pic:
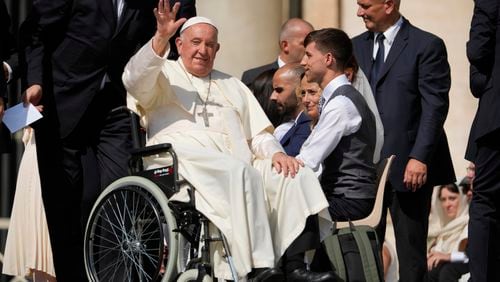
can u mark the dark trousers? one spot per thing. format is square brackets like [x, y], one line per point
[410, 218]
[484, 245]
[5, 140]
[74, 170]
[448, 272]
[343, 209]
[293, 257]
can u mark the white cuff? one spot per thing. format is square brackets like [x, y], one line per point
[459, 257]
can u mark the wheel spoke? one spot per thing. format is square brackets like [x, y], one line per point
[127, 243]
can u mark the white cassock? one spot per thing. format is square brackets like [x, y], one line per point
[229, 162]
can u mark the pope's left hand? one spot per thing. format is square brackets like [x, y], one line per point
[286, 164]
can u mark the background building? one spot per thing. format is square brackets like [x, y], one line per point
[249, 37]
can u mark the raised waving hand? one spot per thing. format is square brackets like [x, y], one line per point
[166, 25]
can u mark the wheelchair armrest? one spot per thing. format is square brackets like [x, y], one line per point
[151, 150]
[136, 155]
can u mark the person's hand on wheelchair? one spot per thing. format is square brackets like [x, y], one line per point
[286, 164]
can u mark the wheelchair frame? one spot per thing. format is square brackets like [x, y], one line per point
[134, 233]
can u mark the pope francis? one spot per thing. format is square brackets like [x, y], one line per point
[244, 183]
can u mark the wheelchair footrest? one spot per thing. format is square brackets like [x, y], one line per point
[188, 220]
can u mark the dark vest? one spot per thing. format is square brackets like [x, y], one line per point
[349, 169]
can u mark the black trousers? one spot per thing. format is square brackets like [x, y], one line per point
[448, 272]
[293, 257]
[343, 209]
[73, 172]
[484, 215]
[410, 218]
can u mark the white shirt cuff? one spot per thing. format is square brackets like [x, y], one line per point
[459, 257]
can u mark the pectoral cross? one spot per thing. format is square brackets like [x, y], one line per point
[205, 114]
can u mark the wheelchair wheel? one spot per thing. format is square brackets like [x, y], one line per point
[129, 234]
[192, 275]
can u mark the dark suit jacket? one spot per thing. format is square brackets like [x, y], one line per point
[483, 51]
[412, 99]
[294, 138]
[6, 45]
[75, 43]
[6, 49]
[250, 75]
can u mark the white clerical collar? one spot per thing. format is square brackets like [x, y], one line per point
[333, 85]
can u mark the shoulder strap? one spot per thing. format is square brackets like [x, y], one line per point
[366, 253]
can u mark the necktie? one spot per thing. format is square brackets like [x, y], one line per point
[379, 61]
[320, 104]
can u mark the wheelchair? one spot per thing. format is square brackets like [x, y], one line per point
[134, 233]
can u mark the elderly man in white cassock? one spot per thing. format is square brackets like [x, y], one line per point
[261, 199]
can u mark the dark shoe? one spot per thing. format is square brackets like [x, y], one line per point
[266, 274]
[302, 275]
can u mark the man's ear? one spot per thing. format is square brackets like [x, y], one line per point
[330, 59]
[389, 6]
[284, 46]
[178, 44]
[218, 47]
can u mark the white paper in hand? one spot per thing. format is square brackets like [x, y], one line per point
[20, 116]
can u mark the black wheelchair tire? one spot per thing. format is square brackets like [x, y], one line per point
[148, 192]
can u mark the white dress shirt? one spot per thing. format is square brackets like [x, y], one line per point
[282, 129]
[390, 35]
[339, 117]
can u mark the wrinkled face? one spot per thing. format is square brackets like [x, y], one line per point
[311, 93]
[197, 48]
[284, 92]
[314, 63]
[450, 202]
[373, 13]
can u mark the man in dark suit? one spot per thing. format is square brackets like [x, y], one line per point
[410, 77]
[6, 75]
[75, 59]
[297, 125]
[291, 41]
[294, 138]
[483, 51]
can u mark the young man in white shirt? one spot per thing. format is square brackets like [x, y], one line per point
[340, 148]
